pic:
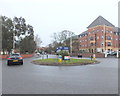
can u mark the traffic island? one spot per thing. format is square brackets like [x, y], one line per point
[71, 62]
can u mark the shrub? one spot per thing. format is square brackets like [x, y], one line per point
[63, 53]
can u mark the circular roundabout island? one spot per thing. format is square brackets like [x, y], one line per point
[59, 62]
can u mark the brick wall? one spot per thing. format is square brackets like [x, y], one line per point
[23, 55]
[99, 37]
[98, 55]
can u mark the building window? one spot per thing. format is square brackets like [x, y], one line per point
[102, 30]
[102, 37]
[107, 31]
[110, 31]
[109, 38]
[109, 44]
[114, 33]
[102, 50]
[91, 44]
[91, 38]
[97, 37]
[118, 33]
[98, 30]
[102, 44]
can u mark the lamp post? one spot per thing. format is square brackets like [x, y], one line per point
[13, 42]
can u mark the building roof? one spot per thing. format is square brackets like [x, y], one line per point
[100, 21]
[83, 33]
[75, 37]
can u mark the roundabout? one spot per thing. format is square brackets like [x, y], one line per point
[58, 62]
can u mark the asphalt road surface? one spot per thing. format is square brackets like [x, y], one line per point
[38, 79]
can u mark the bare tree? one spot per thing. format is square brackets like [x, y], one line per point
[62, 36]
[38, 41]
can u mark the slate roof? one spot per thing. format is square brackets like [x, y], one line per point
[83, 33]
[75, 37]
[100, 21]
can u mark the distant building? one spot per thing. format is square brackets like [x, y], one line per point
[100, 36]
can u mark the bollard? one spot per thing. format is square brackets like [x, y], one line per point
[117, 54]
[47, 56]
[94, 57]
[106, 54]
[60, 60]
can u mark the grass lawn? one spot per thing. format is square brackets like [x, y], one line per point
[67, 62]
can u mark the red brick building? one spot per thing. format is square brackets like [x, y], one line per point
[100, 36]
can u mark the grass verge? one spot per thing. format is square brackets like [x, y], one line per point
[71, 62]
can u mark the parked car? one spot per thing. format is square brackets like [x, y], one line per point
[15, 58]
[113, 53]
[79, 55]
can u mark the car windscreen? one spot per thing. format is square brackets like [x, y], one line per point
[15, 55]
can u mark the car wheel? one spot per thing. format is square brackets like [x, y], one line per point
[21, 63]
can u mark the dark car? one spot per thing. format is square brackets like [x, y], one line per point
[15, 58]
[79, 55]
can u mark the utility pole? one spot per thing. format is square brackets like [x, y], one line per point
[71, 45]
[13, 41]
[70, 36]
[13, 37]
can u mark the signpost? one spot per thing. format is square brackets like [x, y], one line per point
[62, 48]
[63, 56]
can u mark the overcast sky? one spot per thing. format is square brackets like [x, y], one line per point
[49, 16]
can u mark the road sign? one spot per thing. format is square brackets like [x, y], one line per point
[66, 57]
[65, 48]
[62, 48]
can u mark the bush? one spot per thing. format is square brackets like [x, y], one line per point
[63, 53]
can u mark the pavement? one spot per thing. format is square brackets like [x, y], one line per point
[99, 78]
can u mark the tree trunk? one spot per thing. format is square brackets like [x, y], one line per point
[3, 52]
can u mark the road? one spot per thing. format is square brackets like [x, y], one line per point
[99, 78]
